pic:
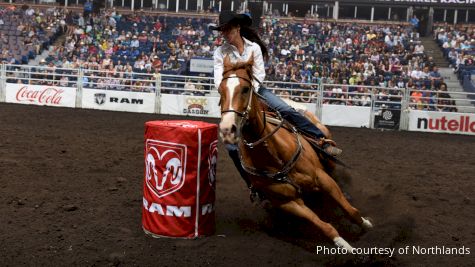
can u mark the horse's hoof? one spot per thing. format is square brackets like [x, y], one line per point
[366, 224]
[341, 243]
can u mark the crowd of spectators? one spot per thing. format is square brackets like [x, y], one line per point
[458, 46]
[26, 32]
[357, 59]
[137, 47]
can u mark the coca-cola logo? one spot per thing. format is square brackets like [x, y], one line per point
[42, 95]
[165, 166]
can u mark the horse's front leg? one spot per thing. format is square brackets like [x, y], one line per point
[297, 207]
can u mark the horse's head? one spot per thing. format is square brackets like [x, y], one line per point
[236, 91]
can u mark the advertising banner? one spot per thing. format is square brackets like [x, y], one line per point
[180, 178]
[118, 100]
[201, 65]
[42, 95]
[348, 116]
[387, 119]
[442, 122]
[201, 106]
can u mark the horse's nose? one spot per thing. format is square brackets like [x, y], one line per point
[229, 130]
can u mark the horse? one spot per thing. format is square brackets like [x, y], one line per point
[279, 162]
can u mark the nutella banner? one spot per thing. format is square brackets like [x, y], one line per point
[43, 95]
[201, 106]
[180, 177]
[118, 100]
[442, 122]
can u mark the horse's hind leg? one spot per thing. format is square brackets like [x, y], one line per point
[298, 208]
[329, 185]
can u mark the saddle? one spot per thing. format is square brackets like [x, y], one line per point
[317, 144]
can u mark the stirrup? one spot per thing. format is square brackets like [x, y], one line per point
[331, 150]
[329, 146]
[322, 141]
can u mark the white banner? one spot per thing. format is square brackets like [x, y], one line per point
[442, 122]
[118, 100]
[348, 116]
[201, 65]
[200, 106]
[43, 95]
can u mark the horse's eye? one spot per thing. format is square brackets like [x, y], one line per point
[246, 89]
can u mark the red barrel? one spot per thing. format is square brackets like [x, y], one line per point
[180, 178]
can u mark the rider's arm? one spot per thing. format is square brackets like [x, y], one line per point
[218, 67]
[258, 68]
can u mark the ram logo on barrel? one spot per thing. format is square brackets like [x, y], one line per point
[212, 161]
[165, 169]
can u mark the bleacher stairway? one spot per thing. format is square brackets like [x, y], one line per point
[432, 49]
[456, 91]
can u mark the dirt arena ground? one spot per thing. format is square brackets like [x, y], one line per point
[71, 195]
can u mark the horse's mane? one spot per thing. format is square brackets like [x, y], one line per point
[239, 65]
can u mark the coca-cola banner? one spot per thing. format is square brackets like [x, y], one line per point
[43, 95]
[118, 100]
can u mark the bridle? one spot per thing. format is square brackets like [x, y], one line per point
[245, 114]
[280, 175]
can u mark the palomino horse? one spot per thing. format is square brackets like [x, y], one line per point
[279, 162]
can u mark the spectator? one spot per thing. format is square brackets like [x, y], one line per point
[415, 22]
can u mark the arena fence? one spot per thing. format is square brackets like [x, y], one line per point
[335, 104]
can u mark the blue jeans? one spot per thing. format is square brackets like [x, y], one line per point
[289, 114]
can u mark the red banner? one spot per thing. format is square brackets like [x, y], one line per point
[180, 177]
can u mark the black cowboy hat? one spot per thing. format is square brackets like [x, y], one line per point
[227, 17]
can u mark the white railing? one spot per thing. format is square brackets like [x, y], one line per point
[370, 103]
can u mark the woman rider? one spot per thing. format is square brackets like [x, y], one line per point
[240, 43]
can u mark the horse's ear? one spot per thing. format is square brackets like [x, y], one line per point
[227, 61]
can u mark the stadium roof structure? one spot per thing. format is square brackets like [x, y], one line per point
[435, 3]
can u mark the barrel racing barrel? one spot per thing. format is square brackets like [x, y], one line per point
[180, 178]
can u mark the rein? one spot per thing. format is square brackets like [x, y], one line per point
[281, 175]
[245, 115]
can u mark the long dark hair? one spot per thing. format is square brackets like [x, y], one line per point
[251, 35]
